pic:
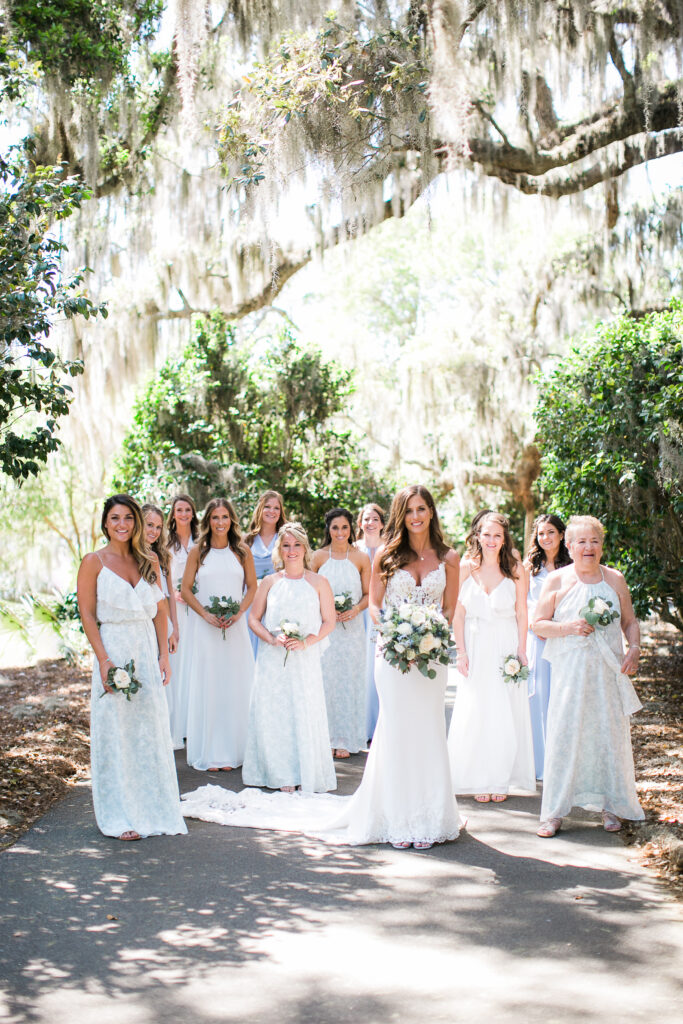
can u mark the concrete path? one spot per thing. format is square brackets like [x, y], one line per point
[237, 925]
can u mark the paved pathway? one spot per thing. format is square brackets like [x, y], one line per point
[237, 925]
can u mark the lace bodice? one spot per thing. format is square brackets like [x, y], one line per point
[402, 587]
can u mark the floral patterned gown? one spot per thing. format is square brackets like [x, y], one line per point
[588, 757]
[288, 742]
[134, 782]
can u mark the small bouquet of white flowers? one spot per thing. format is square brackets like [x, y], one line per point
[513, 670]
[194, 588]
[123, 680]
[223, 608]
[414, 635]
[343, 603]
[599, 612]
[292, 631]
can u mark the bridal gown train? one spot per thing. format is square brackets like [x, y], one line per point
[405, 794]
[134, 782]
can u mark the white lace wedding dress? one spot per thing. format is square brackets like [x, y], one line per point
[405, 794]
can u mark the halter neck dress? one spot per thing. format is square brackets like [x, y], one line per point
[177, 691]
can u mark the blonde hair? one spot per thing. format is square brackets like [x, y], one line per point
[138, 543]
[297, 531]
[577, 523]
[257, 518]
[160, 545]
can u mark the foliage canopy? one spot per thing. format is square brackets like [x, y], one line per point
[227, 419]
[611, 423]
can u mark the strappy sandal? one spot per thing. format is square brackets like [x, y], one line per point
[422, 846]
[483, 798]
[400, 846]
[547, 829]
[499, 798]
[610, 822]
[130, 836]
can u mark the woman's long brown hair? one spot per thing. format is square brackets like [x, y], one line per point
[509, 565]
[397, 550]
[173, 538]
[257, 518]
[235, 542]
[160, 545]
[138, 545]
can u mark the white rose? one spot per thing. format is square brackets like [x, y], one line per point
[410, 655]
[339, 601]
[418, 618]
[289, 627]
[120, 679]
[512, 667]
[404, 628]
[600, 606]
[399, 648]
[428, 643]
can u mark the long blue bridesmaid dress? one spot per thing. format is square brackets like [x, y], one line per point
[371, 698]
[539, 675]
[263, 563]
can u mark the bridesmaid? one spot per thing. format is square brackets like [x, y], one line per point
[134, 782]
[155, 535]
[182, 526]
[269, 515]
[219, 661]
[348, 571]
[370, 523]
[489, 740]
[546, 553]
[288, 743]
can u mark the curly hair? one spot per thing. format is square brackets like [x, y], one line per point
[235, 542]
[536, 556]
[257, 518]
[138, 545]
[397, 550]
[506, 559]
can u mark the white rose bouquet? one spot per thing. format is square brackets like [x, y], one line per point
[513, 670]
[292, 631]
[414, 635]
[123, 680]
[194, 588]
[223, 608]
[599, 612]
[343, 603]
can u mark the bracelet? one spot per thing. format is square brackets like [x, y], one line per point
[634, 647]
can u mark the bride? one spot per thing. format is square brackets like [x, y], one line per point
[405, 797]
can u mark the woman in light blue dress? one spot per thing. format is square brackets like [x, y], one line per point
[370, 523]
[134, 783]
[547, 552]
[348, 571]
[269, 515]
[288, 743]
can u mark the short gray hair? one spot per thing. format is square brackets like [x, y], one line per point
[577, 523]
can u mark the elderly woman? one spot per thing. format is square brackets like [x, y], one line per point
[588, 760]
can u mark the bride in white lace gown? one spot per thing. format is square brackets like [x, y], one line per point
[405, 797]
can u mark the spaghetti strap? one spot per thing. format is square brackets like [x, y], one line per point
[100, 558]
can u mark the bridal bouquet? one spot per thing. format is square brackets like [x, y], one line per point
[123, 680]
[292, 631]
[343, 603]
[513, 670]
[599, 612]
[414, 635]
[223, 608]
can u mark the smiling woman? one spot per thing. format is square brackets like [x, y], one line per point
[134, 784]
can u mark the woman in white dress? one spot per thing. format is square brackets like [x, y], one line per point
[288, 743]
[220, 661]
[369, 525]
[182, 526]
[155, 535]
[489, 740]
[547, 552]
[134, 783]
[405, 797]
[269, 515]
[588, 760]
[348, 572]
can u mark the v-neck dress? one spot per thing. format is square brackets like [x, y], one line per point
[134, 782]
[490, 741]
